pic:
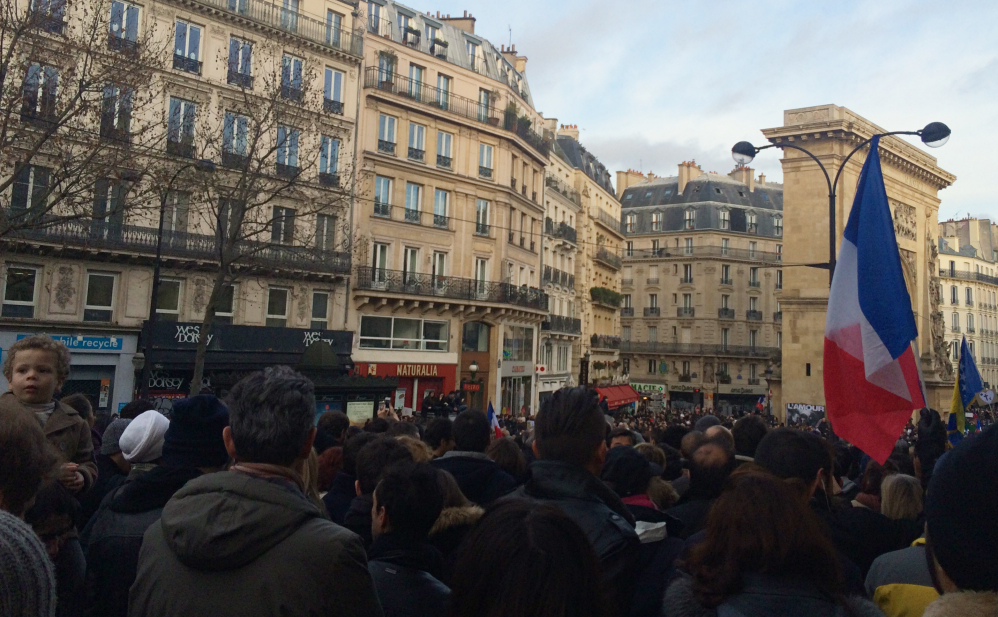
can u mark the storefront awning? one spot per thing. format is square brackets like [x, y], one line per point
[617, 396]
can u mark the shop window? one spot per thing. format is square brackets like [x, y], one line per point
[168, 300]
[475, 336]
[19, 292]
[402, 333]
[320, 310]
[99, 304]
[518, 344]
[277, 307]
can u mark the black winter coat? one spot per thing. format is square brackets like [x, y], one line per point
[358, 517]
[479, 478]
[405, 577]
[109, 477]
[341, 492]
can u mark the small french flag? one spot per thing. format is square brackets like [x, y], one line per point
[871, 374]
[494, 421]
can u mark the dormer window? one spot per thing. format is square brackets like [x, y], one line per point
[751, 223]
[778, 226]
[689, 221]
[725, 219]
[656, 221]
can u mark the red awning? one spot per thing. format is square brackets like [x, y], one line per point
[618, 395]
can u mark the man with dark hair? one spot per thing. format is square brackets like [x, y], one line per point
[439, 435]
[748, 431]
[330, 430]
[931, 444]
[570, 445]
[860, 534]
[249, 541]
[405, 568]
[673, 435]
[479, 477]
[343, 489]
[621, 437]
[135, 408]
[710, 465]
[373, 461]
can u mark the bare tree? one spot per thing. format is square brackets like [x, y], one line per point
[282, 194]
[71, 75]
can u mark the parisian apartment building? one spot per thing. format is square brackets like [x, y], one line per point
[701, 283]
[196, 101]
[968, 272]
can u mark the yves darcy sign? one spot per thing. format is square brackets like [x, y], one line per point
[222, 337]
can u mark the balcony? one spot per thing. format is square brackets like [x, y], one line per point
[725, 313]
[558, 186]
[954, 328]
[288, 172]
[314, 29]
[483, 229]
[564, 325]
[685, 312]
[184, 149]
[331, 180]
[290, 93]
[48, 18]
[235, 78]
[753, 381]
[651, 281]
[415, 154]
[685, 378]
[708, 250]
[686, 280]
[971, 330]
[627, 282]
[560, 231]
[697, 349]
[333, 107]
[969, 303]
[429, 285]
[969, 276]
[440, 221]
[653, 311]
[388, 147]
[754, 284]
[484, 172]
[122, 44]
[382, 209]
[471, 109]
[726, 282]
[183, 63]
[604, 217]
[554, 276]
[724, 378]
[95, 238]
[607, 258]
[627, 311]
[778, 317]
[604, 341]
[231, 160]
[753, 315]
[412, 216]
[444, 161]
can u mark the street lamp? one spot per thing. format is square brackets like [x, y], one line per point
[473, 369]
[934, 135]
[207, 166]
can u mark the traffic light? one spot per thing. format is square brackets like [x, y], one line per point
[696, 390]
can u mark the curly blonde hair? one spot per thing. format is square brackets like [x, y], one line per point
[44, 343]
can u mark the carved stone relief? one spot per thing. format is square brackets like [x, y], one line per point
[200, 300]
[64, 290]
[904, 220]
[940, 348]
[302, 304]
[908, 268]
[808, 116]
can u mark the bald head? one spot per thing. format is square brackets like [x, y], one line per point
[710, 467]
[691, 441]
[718, 432]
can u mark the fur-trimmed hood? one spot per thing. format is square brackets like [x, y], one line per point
[964, 604]
[456, 517]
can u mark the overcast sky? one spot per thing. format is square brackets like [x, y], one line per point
[652, 83]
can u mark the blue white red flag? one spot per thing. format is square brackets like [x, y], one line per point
[494, 422]
[870, 371]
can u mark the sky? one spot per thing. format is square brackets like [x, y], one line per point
[653, 83]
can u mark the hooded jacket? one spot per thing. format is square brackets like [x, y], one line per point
[406, 576]
[479, 477]
[232, 544]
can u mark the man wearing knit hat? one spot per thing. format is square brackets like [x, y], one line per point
[27, 577]
[187, 446]
[961, 530]
[112, 469]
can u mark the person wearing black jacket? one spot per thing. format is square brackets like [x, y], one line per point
[373, 461]
[405, 568]
[479, 477]
[343, 490]
[192, 446]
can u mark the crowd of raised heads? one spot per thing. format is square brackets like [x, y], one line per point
[246, 506]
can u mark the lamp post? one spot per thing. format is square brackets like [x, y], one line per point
[473, 368]
[934, 135]
[205, 165]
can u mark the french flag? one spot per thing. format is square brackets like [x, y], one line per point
[494, 421]
[871, 374]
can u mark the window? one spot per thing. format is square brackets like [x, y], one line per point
[652, 300]
[754, 277]
[443, 90]
[725, 301]
[38, 96]
[956, 322]
[970, 322]
[325, 232]
[277, 307]
[954, 296]
[627, 301]
[403, 333]
[725, 219]
[19, 292]
[410, 264]
[629, 223]
[752, 247]
[518, 343]
[99, 305]
[287, 149]
[382, 196]
[779, 340]
[49, 13]
[440, 208]
[124, 24]
[725, 246]
[482, 218]
[778, 226]
[30, 188]
[417, 142]
[289, 15]
[430, 32]
[234, 134]
[724, 337]
[116, 112]
[485, 160]
[779, 252]
[332, 91]
[176, 211]
[481, 272]
[753, 337]
[374, 17]
[380, 252]
[472, 49]
[687, 273]
[686, 368]
[750, 222]
[625, 333]
[753, 303]
[439, 265]
[291, 70]
[187, 47]
[779, 279]
[320, 310]
[956, 350]
[329, 155]
[475, 336]
[970, 296]
[563, 352]
[725, 274]
[689, 220]
[109, 206]
[416, 73]
[180, 127]
[334, 24]
[444, 141]
[630, 249]
[687, 301]
[168, 300]
[651, 367]
[226, 305]
[413, 193]
[688, 247]
[386, 134]
[654, 247]
[283, 226]
[656, 221]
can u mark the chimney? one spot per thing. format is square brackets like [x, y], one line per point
[466, 23]
[744, 175]
[627, 179]
[687, 171]
[570, 130]
[762, 179]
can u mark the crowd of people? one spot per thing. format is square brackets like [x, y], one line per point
[248, 506]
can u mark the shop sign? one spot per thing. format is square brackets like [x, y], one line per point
[648, 387]
[683, 387]
[85, 343]
[390, 369]
[802, 413]
[738, 389]
[471, 387]
[225, 337]
[510, 369]
[417, 370]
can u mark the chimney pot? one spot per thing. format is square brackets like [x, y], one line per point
[466, 13]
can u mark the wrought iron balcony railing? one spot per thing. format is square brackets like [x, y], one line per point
[415, 154]
[606, 257]
[242, 80]
[183, 63]
[560, 323]
[653, 311]
[604, 341]
[561, 230]
[685, 312]
[297, 23]
[697, 349]
[333, 107]
[411, 283]
[627, 311]
[753, 315]
[557, 185]
[555, 276]
[726, 313]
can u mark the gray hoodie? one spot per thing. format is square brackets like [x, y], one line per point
[232, 544]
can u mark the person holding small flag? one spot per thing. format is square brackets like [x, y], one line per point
[968, 385]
